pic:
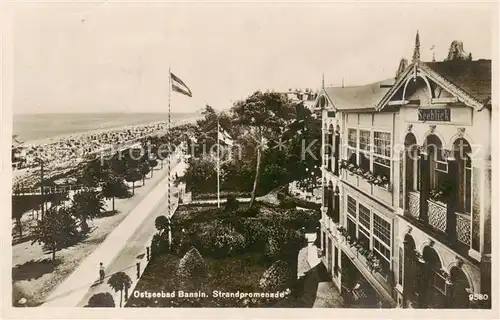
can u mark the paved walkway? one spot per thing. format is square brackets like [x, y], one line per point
[76, 287]
[319, 291]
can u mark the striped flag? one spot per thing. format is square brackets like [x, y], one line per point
[224, 137]
[179, 86]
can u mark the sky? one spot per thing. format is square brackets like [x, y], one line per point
[109, 56]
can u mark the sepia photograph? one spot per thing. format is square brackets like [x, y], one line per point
[269, 155]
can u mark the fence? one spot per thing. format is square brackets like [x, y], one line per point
[47, 189]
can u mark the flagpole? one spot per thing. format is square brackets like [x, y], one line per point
[218, 163]
[169, 207]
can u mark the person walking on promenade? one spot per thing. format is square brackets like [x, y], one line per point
[101, 272]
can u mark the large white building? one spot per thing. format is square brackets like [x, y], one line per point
[406, 216]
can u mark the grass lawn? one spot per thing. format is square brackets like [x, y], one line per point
[241, 273]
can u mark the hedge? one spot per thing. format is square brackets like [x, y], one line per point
[223, 194]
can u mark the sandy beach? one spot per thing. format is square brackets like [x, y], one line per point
[65, 152]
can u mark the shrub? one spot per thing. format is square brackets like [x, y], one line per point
[159, 244]
[227, 244]
[255, 233]
[287, 204]
[231, 203]
[218, 239]
[284, 244]
[278, 277]
[191, 271]
[181, 242]
[101, 300]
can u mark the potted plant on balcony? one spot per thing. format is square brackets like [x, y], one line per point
[442, 192]
[343, 164]
[381, 181]
[373, 263]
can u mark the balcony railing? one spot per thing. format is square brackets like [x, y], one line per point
[438, 217]
[463, 228]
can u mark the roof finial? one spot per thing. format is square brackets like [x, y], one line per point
[416, 50]
[323, 81]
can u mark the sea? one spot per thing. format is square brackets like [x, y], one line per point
[29, 127]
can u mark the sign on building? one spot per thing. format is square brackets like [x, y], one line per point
[434, 115]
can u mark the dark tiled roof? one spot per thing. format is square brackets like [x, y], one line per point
[473, 77]
[358, 97]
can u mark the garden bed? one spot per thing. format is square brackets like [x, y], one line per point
[231, 274]
[227, 249]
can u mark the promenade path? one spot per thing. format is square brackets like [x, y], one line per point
[319, 290]
[133, 252]
[119, 250]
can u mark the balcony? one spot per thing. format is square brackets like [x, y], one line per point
[437, 221]
[382, 193]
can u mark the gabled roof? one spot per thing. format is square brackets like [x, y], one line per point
[470, 80]
[358, 98]
[473, 77]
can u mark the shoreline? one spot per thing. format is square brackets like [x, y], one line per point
[76, 135]
[23, 176]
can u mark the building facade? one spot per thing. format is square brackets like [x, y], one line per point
[406, 215]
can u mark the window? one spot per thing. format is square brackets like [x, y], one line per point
[351, 207]
[439, 168]
[416, 174]
[351, 227]
[364, 239]
[382, 243]
[364, 149]
[364, 217]
[384, 258]
[438, 282]
[364, 140]
[378, 240]
[382, 157]
[382, 141]
[336, 262]
[468, 186]
[352, 138]
[382, 229]
[400, 266]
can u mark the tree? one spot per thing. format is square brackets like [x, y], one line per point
[19, 207]
[120, 281]
[152, 163]
[101, 300]
[87, 204]
[133, 175]
[92, 174]
[145, 168]
[162, 223]
[119, 163]
[263, 117]
[114, 187]
[56, 230]
[200, 175]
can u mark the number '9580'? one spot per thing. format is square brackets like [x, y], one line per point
[478, 296]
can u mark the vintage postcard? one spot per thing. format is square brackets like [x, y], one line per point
[233, 159]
